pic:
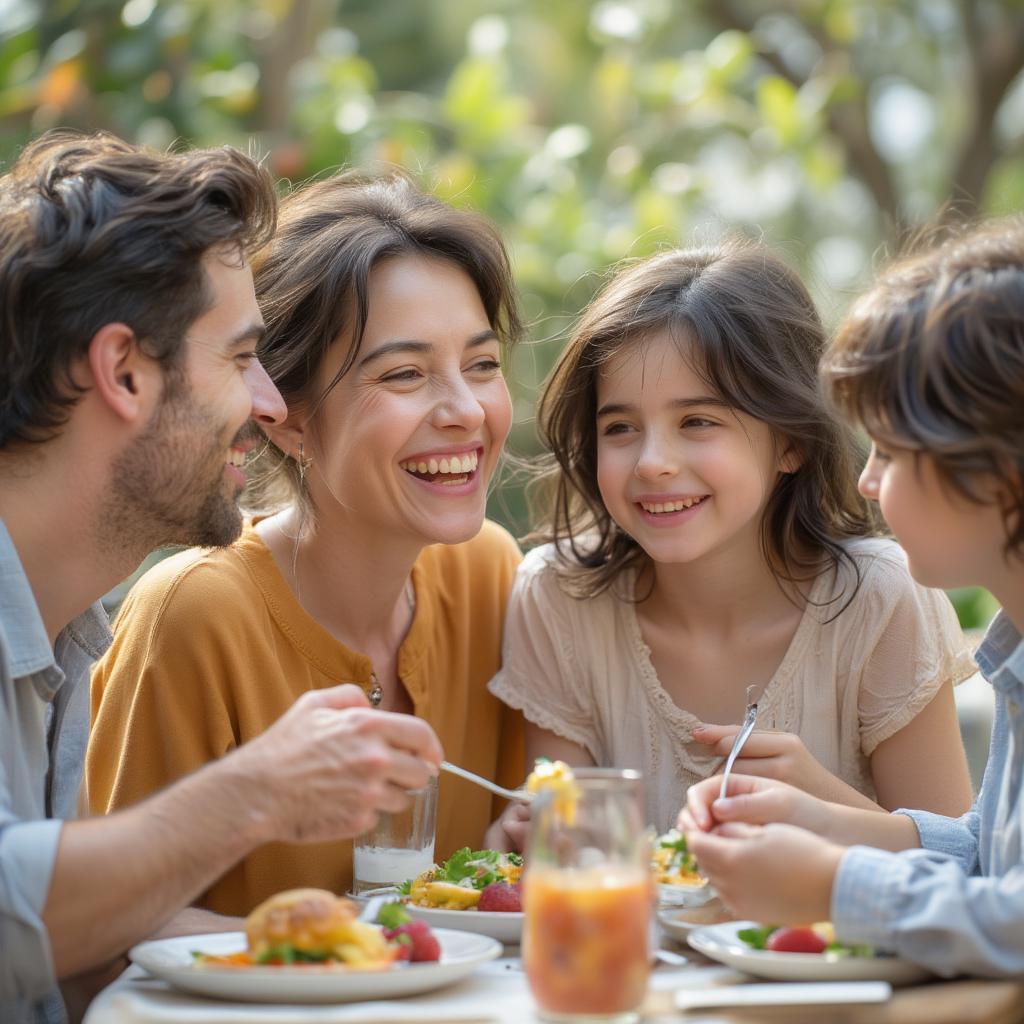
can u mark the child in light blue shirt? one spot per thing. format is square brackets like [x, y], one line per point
[930, 363]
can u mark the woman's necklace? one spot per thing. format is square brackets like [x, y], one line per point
[376, 690]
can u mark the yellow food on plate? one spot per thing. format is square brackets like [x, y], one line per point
[556, 777]
[309, 926]
[459, 883]
[672, 863]
[425, 892]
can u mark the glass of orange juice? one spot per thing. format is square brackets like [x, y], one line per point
[588, 897]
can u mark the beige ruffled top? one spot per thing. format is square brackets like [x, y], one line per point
[581, 669]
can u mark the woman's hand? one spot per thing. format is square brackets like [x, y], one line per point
[752, 801]
[508, 833]
[781, 756]
[777, 873]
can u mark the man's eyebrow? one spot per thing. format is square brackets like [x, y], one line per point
[412, 345]
[625, 408]
[253, 334]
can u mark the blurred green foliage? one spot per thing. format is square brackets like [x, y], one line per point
[591, 131]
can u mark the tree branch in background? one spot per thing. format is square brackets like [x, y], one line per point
[847, 119]
[995, 55]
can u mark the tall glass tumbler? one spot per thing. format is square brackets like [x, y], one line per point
[588, 897]
[401, 846]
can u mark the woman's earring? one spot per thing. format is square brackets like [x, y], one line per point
[304, 463]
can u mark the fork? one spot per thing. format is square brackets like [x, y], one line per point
[749, 720]
[509, 794]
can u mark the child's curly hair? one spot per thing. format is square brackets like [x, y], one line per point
[932, 359]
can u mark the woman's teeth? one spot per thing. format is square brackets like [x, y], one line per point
[236, 457]
[457, 467]
[670, 506]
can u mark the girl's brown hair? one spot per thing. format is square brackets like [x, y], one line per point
[312, 283]
[745, 322]
[932, 359]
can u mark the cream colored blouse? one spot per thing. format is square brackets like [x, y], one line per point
[581, 669]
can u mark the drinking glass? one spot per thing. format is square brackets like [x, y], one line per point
[401, 846]
[588, 897]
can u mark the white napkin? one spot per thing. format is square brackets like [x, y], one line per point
[818, 993]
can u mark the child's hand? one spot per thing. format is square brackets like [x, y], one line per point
[774, 755]
[754, 871]
[508, 833]
[753, 801]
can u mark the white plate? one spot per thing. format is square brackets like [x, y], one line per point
[720, 942]
[678, 922]
[506, 927]
[171, 960]
[684, 895]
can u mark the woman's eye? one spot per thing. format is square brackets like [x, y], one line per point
[880, 455]
[486, 366]
[245, 359]
[697, 421]
[402, 375]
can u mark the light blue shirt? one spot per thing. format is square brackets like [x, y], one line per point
[956, 905]
[44, 725]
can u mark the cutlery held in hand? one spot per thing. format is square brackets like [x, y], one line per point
[520, 795]
[749, 720]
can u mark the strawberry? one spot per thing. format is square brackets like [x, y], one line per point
[502, 897]
[417, 937]
[795, 940]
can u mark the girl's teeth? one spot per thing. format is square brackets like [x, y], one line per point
[670, 506]
[432, 466]
[421, 467]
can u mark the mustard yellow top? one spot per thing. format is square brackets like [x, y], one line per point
[212, 646]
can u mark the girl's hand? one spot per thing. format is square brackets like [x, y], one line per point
[781, 756]
[777, 873]
[753, 801]
[508, 833]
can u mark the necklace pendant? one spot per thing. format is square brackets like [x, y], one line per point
[376, 692]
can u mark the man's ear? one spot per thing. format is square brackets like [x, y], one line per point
[128, 382]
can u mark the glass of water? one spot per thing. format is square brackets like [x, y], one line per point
[400, 847]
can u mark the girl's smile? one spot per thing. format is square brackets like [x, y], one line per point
[668, 510]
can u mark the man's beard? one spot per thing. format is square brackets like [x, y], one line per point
[168, 486]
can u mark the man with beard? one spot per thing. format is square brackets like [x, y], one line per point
[129, 396]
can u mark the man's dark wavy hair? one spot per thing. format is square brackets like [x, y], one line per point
[94, 230]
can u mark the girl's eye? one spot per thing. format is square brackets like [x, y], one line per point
[245, 359]
[697, 421]
[880, 455]
[615, 428]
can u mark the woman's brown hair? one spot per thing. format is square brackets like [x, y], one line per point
[932, 359]
[747, 325]
[312, 283]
